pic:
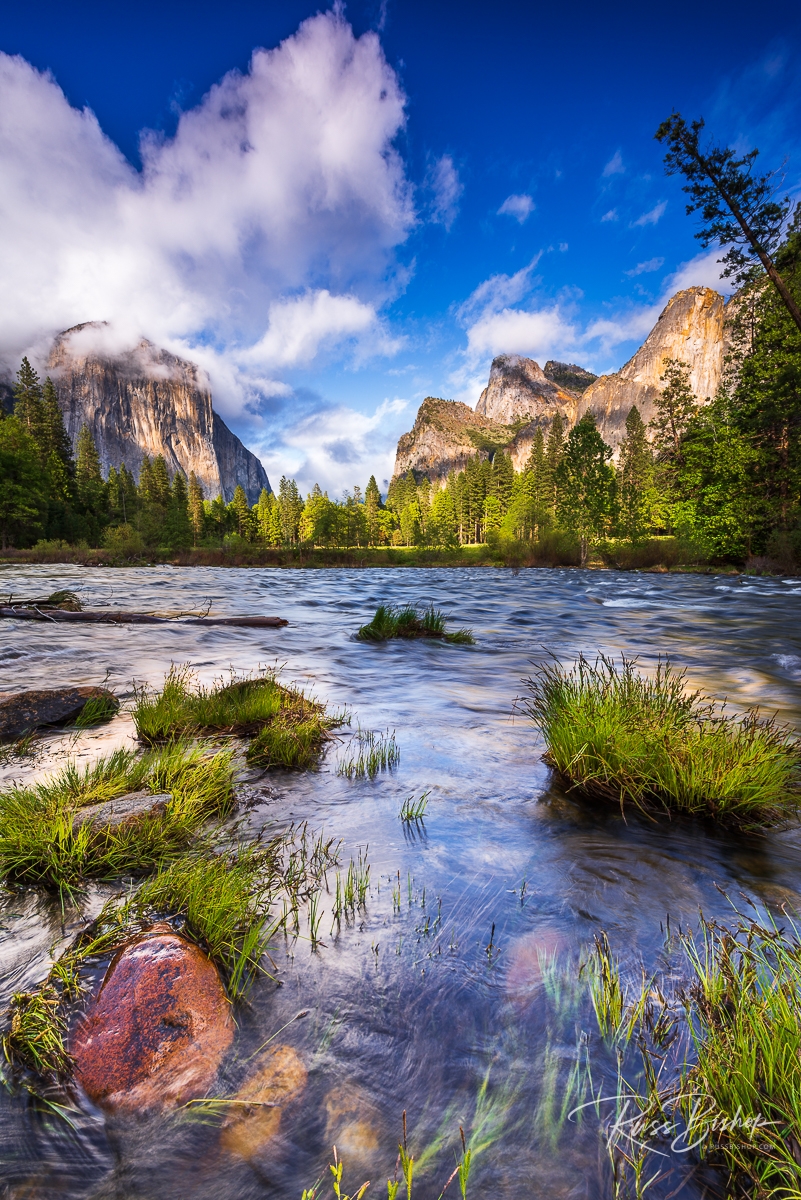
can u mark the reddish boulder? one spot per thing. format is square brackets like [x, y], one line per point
[156, 1032]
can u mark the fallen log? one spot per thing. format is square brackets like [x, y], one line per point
[112, 617]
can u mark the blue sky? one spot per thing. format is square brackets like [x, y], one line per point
[368, 213]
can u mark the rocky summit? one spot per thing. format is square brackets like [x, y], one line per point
[521, 397]
[146, 401]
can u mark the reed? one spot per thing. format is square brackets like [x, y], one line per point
[411, 621]
[414, 809]
[732, 1089]
[368, 753]
[742, 1097]
[616, 734]
[41, 843]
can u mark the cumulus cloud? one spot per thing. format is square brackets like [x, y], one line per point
[518, 206]
[301, 327]
[537, 333]
[614, 166]
[262, 234]
[652, 216]
[643, 268]
[446, 190]
[338, 446]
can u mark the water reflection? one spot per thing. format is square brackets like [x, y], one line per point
[453, 995]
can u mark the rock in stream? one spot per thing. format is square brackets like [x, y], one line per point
[156, 1032]
[23, 712]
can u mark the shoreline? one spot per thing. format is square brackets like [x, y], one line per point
[514, 557]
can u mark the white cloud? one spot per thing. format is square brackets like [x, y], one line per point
[269, 221]
[537, 333]
[518, 206]
[611, 215]
[300, 327]
[338, 447]
[643, 268]
[446, 187]
[652, 216]
[498, 292]
[702, 271]
[614, 166]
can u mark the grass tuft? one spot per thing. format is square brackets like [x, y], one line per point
[620, 735]
[97, 710]
[40, 843]
[730, 1088]
[368, 753]
[184, 707]
[411, 621]
[414, 810]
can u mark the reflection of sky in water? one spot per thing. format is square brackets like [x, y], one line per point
[407, 1009]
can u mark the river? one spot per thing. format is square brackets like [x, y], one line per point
[463, 1008]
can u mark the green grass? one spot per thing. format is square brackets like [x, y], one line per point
[97, 710]
[717, 1053]
[38, 841]
[414, 809]
[288, 728]
[742, 1097]
[368, 753]
[617, 734]
[297, 745]
[184, 707]
[411, 621]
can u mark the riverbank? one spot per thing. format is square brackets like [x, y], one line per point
[658, 555]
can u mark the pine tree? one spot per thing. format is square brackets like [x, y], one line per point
[22, 485]
[635, 479]
[372, 506]
[675, 406]
[28, 402]
[291, 508]
[196, 510]
[443, 518]
[159, 482]
[554, 449]
[145, 478]
[244, 519]
[178, 525]
[55, 439]
[586, 484]
[502, 483]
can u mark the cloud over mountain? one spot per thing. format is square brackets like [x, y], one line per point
[258, 237]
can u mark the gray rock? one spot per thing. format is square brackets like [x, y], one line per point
[121, 810]
[23, 712]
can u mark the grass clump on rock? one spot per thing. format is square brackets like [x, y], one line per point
[287, 727]
[410, 621]
[617, 734]
[184, 707]
[45, 841]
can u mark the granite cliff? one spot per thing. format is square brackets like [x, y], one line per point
[148, 401]
[521, 397]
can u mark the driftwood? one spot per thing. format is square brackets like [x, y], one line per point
[108, 616]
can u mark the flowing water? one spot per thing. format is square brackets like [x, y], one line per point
[458, 1000]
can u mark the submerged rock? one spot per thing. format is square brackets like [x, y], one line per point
[255, 1116]
[122, 810]
[352, 1123]
[156, 1032]
[23, 712]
